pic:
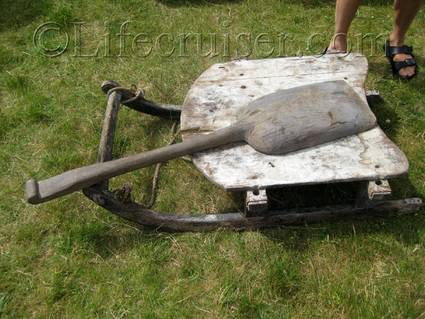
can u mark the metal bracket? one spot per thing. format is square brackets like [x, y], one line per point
[372, 191]
[378, 190]
[256, 203]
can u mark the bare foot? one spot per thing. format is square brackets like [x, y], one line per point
[338, 43]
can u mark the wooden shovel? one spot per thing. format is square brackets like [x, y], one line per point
[276, 124]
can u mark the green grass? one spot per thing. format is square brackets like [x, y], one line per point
[70, 258]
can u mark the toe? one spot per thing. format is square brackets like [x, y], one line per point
[406, 71]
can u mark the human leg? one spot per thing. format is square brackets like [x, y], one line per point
[345, 10]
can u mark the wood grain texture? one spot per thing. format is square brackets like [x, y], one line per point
[108, 128]
[106, 143]
[220, 94]
[238, 221]
[271, 125]
[141, 104]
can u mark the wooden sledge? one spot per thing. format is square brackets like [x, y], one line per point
[214, 101]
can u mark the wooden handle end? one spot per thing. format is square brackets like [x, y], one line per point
[32, 194]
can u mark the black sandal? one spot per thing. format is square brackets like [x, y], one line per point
[396, 66]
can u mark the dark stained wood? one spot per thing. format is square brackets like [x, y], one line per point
[140, 104]
[238, 221]
[108, 131]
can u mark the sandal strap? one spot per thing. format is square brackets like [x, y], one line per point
[390, 51]
[402, 64]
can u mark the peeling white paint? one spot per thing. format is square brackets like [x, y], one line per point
[216, 98]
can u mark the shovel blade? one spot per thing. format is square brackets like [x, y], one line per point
[301, 117]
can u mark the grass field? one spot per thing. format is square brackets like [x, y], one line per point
[70, 258]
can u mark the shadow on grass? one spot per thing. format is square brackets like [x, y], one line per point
[405, 228]
[107, 241]
[418, 83]
[387, 118]
[320, 3]
[197, 3]
[383, 68]
[17, 13]
[305, 3]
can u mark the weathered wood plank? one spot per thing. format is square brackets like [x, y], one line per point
[366, 156]
[291, 67]
[221, 92]
[217, 95]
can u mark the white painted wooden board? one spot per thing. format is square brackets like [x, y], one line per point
[217, 96]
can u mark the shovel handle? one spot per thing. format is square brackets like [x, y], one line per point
[79, 178]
